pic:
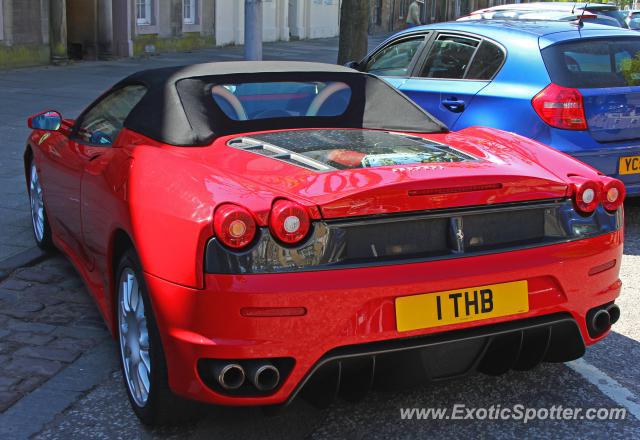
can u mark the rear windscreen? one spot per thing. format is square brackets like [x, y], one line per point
[281, 99]
[593, 63]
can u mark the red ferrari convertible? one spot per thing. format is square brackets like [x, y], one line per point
[256, 231]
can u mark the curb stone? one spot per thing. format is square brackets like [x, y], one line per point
[33, 412]
[23, 259]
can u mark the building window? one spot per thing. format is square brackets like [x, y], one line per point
[190, 12]
[144, 12]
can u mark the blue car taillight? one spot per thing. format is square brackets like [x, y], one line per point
[561, 107]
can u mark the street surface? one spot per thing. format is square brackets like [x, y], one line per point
[58, 367]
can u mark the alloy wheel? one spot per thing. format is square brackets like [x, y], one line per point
[37, 206]
[134, 337]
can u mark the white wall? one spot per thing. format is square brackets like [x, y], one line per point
[269, 20]
[229, 22]
[323, 18]
[312, 19]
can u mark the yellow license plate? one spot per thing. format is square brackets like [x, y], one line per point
[630, 165]
[461, 305]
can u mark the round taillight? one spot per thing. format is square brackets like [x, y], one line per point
[289, 221]
[586, 196]
[613, 193]
[234, 226]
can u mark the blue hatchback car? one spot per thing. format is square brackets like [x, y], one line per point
[573, 87]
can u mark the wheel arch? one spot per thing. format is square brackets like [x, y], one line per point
[27, 157]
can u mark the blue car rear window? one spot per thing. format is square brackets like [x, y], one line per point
[263, 100]
[594, 63]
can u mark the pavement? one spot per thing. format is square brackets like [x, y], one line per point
[59, 377]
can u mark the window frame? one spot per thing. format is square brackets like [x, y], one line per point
[196, 26]
[194, 18]
[148, 9]
[150, 27]
[430, 45]
[75, 136]
[425, 35]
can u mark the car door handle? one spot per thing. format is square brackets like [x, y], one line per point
[453, 105]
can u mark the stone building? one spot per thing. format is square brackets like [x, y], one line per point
[40, 31]
[24, 32]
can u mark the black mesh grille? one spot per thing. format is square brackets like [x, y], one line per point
[488, 231]
[408, 238]
[428, 237]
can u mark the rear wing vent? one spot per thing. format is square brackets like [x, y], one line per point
[275, 152]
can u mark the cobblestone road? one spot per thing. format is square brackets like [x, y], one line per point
[47, 320]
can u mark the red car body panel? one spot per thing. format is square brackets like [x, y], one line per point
[94, 195]
[355, 306]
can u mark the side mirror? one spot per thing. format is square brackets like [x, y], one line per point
[50, 121]
[634, 24]
[352, 65]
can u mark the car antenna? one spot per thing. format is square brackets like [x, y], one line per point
[580, 23]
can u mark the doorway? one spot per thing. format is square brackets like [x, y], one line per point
[82, 29]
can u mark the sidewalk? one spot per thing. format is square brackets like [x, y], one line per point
[70, 89]
[47, 320]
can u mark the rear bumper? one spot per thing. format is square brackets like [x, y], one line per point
[351, 308]
[351, 371]
[604, 157]
[633, 189]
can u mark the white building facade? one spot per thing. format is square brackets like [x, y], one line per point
[282, 20]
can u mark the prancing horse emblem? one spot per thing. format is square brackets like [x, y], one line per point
[457, 233]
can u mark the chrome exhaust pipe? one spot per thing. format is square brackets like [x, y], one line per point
[229, 376]
[614, 313]
[600, 321]
[263, 375]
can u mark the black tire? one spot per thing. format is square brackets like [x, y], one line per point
[43, 240]
[162, 406]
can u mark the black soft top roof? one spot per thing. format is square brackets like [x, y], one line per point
[178, 108]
